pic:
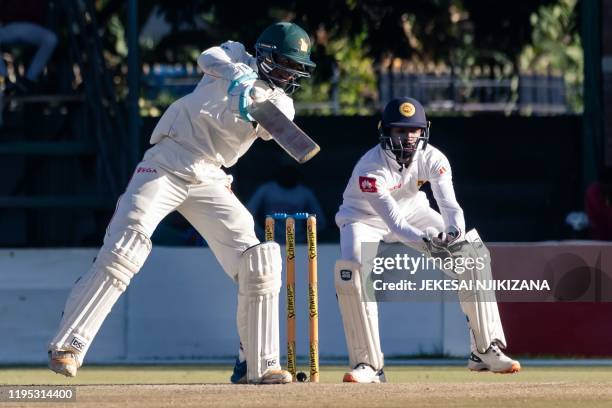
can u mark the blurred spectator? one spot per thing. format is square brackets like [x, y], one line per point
[23, 23]
[578, 222]
[598, 204]
[285, 195]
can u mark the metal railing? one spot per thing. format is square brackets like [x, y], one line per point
[525, 93]
[470, 91]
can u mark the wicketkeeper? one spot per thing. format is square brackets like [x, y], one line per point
[383, 202]
[200, 133]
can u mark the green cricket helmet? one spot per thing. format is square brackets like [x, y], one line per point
[283, 55]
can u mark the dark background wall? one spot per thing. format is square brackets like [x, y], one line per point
[516, 178]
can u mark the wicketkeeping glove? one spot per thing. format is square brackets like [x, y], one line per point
[440, 244]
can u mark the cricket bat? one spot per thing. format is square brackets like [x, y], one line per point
[286, 133]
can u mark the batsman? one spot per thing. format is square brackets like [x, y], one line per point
[200, 133]
[383, 202]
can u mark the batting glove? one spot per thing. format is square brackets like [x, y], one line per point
[239, 91]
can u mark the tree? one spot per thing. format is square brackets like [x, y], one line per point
[502, 27]
[556, 46]
[352, 36]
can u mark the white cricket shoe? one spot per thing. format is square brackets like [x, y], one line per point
[364, 373]
[63, 362]
[493, 360]
[276, 376]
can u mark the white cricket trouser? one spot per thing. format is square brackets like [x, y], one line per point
[209, 205]
[361, 318]
[200, 192]
[353, 234]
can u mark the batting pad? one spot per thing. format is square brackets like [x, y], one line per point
[259, 282]
[480, 306]
[360, 318]
[95, 293]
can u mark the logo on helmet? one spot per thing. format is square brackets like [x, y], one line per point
[270, 46]
[303, 45]
[407, 109]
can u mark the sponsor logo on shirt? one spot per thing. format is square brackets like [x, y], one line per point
[367, 184]
[442, 170]
[396, 187]
[145, 170]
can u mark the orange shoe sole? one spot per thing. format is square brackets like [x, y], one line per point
[515, 368]
[65, 361]
[348, 378]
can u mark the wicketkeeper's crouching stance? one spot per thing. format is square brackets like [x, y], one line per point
[197, 135]
[382, 202]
